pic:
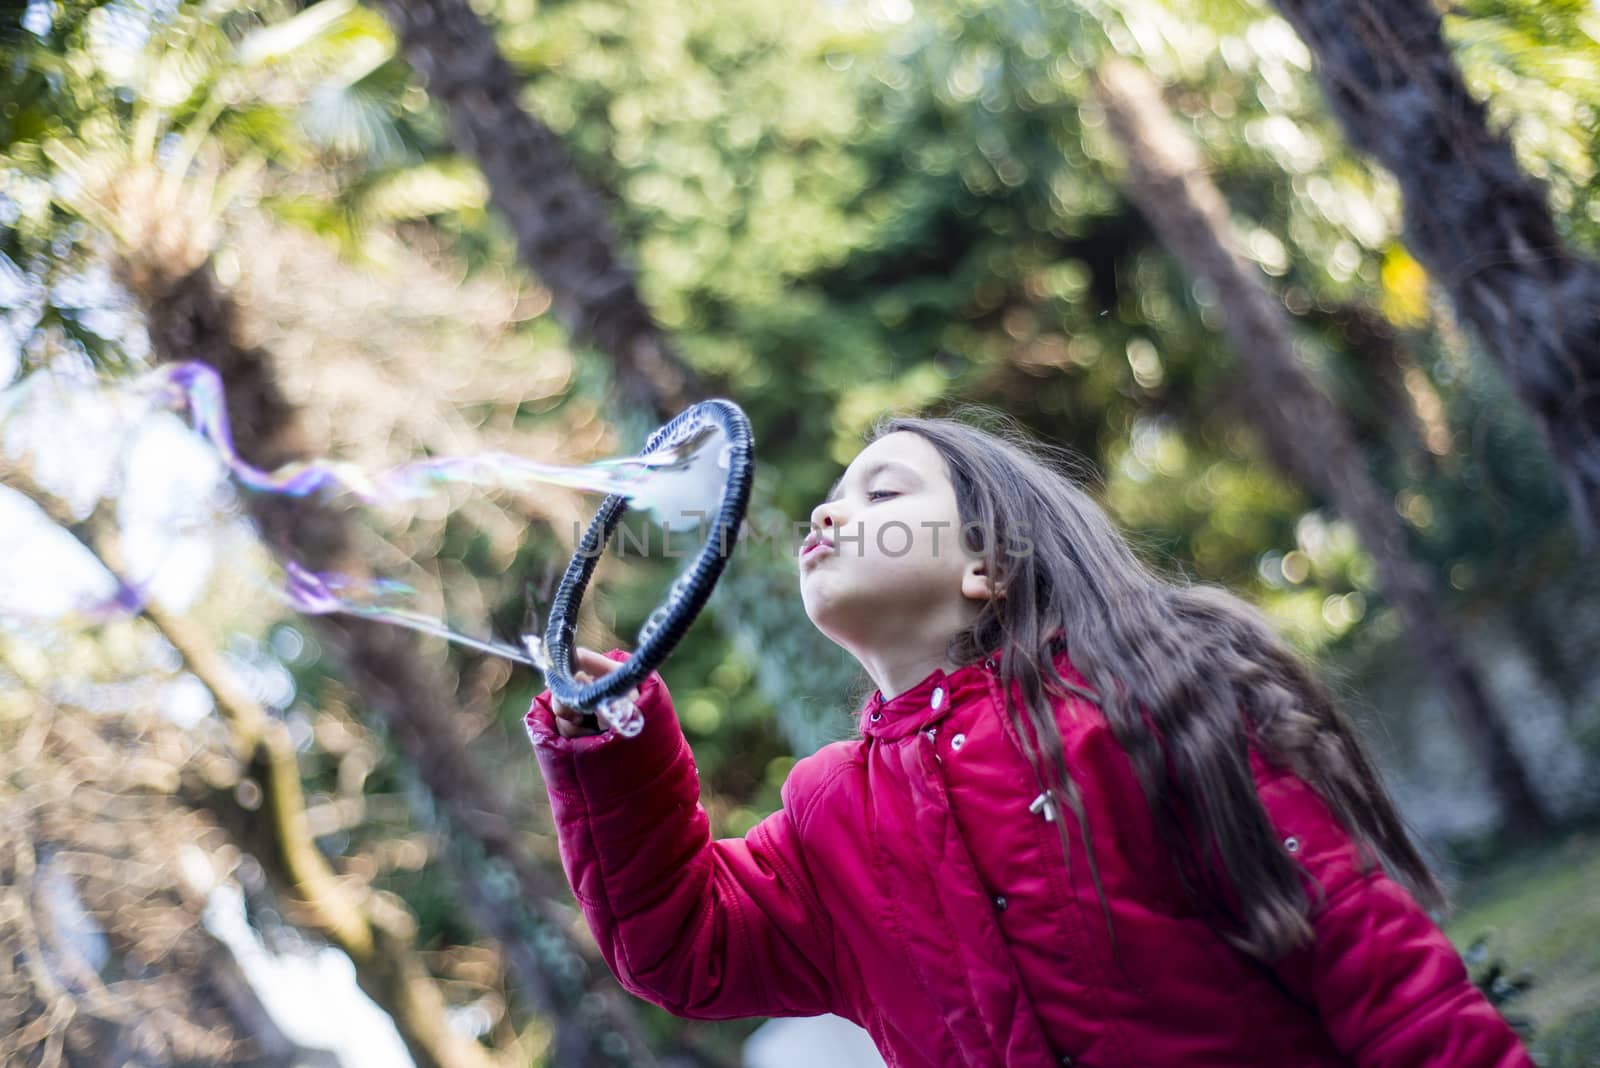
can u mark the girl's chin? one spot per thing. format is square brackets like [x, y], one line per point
[826, 611]
[839, 619]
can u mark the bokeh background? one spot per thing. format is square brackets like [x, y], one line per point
[1307, 288]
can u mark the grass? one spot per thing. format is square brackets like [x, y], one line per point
[1540, 910]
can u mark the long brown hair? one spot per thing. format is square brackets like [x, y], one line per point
[1188, 677]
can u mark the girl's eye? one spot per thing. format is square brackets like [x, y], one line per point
[873, 494]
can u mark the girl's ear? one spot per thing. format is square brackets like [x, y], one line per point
[976, 585]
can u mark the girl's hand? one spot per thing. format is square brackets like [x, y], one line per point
[576, 722]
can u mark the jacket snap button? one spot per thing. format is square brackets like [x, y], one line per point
[1000, 902]
[876, 716]
[1292, 844]
[938, 697]
[1067, 1061]
[958, 741]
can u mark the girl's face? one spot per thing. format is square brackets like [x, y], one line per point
[897, 575]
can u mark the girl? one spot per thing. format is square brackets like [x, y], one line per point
[1092, 818]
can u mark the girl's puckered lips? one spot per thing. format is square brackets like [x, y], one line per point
[815, 545]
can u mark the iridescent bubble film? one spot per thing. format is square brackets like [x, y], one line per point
[678, 486]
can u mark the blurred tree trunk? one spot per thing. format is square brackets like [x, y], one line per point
[563, 235]
[189, 317]
[1305, 433]
[1479, 225]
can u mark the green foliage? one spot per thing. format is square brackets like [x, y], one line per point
[1538, 65]
[841, 210]
[1573, 1046]
[1498, 983]
[840, 213]
[1536, 908]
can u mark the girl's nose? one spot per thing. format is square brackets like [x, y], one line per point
[822, 516]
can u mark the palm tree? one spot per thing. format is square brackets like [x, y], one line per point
[1306, 434]
[1474, 219]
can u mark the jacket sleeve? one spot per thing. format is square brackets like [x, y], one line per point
[1389, 987]
[705, 929]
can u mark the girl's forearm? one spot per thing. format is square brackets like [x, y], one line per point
[700, 927]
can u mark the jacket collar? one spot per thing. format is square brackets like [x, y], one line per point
[928, 701]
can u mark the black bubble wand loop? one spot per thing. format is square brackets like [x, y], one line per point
[684, 462]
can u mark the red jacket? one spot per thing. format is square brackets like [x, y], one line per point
[906, 885]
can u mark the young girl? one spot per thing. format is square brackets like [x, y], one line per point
[1092, 818]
